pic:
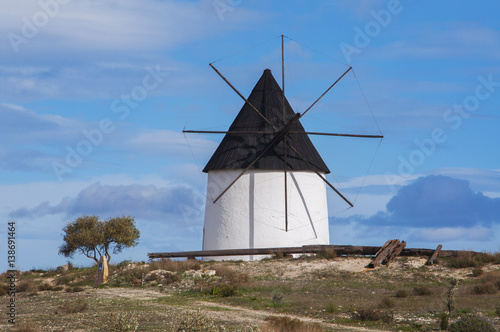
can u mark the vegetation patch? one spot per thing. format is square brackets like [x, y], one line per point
[287, 324]
[74, 307]
[472, 324]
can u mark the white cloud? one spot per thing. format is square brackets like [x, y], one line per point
[446, 234]
[440, 40]
[172, 144]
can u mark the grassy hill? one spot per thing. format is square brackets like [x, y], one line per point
[281, 294]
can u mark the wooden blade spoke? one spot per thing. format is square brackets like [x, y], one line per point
[319, 174]
[279, 137]
[286, 186]
[243, 97]
[228, 132]
[336, 134]
[324, 93]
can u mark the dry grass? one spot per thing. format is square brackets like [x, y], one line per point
[472, 259]
[230, 275]
[488, 283]
[175, 266]
[27, 327]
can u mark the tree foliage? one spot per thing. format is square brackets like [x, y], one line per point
[90, 236]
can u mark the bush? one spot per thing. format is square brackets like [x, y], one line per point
[472, 324]
[332, 308]
[477, 271]
[75, 307]
[170, 278]
[74, 289]
[372, 315]
[45, 286]
[224, 290]
[471, 259]
[175, 266]
[485, 288]
[122, 322]
[198, 322]
[492, 277]
[422, 290]
[287, 324]
[444, 321]
[327, 253]
[277, 300]
[27, 286]
[280, 255]
[231, 276]
[401, 293]
[26, 327]
[387, 303]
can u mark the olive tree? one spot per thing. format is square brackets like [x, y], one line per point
[90, 236]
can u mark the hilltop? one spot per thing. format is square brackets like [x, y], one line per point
[303, 294]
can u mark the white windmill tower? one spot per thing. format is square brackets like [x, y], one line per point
[266, 180]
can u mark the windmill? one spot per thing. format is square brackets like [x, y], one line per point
[266, 180]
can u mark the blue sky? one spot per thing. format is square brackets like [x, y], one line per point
[94, 96]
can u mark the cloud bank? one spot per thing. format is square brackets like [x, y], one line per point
[436, 208]
[175, 204]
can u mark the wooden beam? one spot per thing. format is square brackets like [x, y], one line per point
[341, 250]
[271, 133]
[434, 255]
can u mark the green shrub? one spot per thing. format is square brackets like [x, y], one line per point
[224, 290]
[332, 308]
[472, 324]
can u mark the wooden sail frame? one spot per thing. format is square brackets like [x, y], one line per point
[281, 135]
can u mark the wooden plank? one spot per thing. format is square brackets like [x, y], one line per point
[434, 255]
[395, 253]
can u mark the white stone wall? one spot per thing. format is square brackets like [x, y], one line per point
[251, 214]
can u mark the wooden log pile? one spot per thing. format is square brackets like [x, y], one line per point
[390, 250]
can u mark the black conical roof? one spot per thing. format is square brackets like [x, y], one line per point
[237, 151]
